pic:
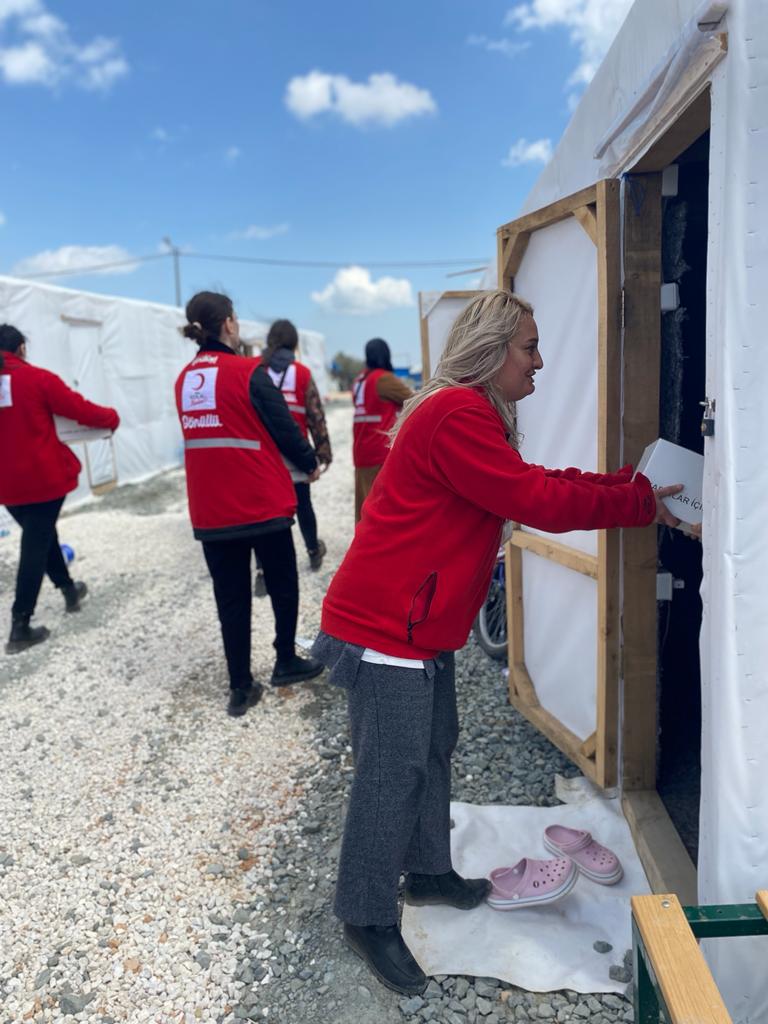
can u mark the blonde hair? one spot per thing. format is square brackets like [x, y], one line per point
[474, 353]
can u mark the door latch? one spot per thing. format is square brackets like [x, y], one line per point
[708, 418]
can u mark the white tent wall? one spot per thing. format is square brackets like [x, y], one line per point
[116, 352]
[312, 354]
[733, 850]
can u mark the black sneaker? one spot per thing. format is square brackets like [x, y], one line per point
[295, 670]
[73, 595]
[388, 957]
[259, 585]
[243, 697]
[449, 889]
[23, 635]
[316, 556]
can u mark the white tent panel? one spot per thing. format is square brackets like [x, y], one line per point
[440, 311]
[312, 354]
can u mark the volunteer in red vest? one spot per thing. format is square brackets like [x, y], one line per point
[237, 429]
[378, 396]
[295, 381]
[405, 596]
[37, 471]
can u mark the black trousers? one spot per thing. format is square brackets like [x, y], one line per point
[229, 563]
[306, 515]
[404, 727]
[40, 552]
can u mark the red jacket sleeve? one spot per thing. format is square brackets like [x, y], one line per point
[622, 476]
[63, 401]
[469, 451]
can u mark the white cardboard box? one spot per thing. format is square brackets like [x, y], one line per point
[72, 432]
[665, 464]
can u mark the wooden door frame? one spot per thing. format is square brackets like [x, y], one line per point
[426, 369]
[596, 209]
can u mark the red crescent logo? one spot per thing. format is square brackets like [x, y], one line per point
[196, 387]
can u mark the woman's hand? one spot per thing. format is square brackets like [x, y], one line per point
[314, 475]
[663, 516]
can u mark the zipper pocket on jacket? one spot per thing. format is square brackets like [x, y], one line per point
[421, 603]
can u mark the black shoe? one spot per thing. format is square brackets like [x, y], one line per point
[23, 635]
[388, 957]
[259, 585]
[73, 595]
[295, 670]
[450, 889]
[243, 697]
[316, 557]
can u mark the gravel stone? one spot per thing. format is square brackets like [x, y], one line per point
[619, 973]
[602, 947]
[412, 1005]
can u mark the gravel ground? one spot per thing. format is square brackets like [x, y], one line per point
[161, 862]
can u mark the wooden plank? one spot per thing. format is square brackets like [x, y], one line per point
[587, 217]
[642, 356]
[689, 126]
[687, 986]
[554, 551]
[762, 901]
[608, 451]
[550, 214]
[589, 746]
[666, 861]
[524, 688]
[502, 280]
[554, 730]
[513, 577]
[426, 371]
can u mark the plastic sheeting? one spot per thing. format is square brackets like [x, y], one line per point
[440, 311]
[122, 353]
[541, 949]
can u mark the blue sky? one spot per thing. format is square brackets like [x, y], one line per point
[334, 131]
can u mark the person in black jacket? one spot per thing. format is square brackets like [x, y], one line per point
[228, 550]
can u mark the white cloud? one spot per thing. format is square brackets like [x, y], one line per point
[261, 234]
[593, 25]
[507, 47]
[381, 100]
[232, 153]
[37, 49]
[525, 152]
[352, 291]
[76, 257]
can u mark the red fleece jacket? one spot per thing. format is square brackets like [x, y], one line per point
[420, 563]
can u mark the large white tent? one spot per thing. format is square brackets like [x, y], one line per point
[127, 354]
[668, 148]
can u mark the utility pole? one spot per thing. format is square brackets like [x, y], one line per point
[174, 251]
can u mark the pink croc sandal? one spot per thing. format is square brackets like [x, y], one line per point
[532, 882]
[593, 860]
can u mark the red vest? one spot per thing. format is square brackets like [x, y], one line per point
[236, 476]
[293, 382]
[373, 418]
[421, 559]
[35, 465]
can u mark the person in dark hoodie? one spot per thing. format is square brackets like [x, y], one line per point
[237, 434]
[300, 392]
[378, 396]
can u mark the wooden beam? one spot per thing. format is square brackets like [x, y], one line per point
[666, 861]
[589, 746]
[554, 551]
[762, 901]
[525, 691]
[687, 986]
[608, 451]
[426, 370]
[642, 357]
[688, 127]
[513, 576]
[587, 217]
[551, 214]
[559, 734]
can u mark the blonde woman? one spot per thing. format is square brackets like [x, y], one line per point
[404, 600]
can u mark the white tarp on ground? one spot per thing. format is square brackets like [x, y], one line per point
[123, 353]
[654, 66]
[541, 949]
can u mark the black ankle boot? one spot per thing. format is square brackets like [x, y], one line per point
[295, 670]
[23, 635]
[73, 595]
[385, 952]
[243, 697]
[449, 889]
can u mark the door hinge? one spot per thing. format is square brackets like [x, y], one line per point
[708, 418]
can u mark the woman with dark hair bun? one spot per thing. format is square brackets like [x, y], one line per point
[37, 471]
[378, 396]
[237, 431]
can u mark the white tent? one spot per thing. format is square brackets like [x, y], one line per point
[124, 353]
[660, 178]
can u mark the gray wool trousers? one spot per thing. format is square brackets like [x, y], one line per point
[404, 727]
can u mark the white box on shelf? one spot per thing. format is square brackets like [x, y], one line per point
[72, 432]
[665, 464]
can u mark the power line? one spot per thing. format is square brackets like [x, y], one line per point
[258, 260]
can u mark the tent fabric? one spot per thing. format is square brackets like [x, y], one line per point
[123, 353]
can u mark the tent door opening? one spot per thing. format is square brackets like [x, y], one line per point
[87, 376]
